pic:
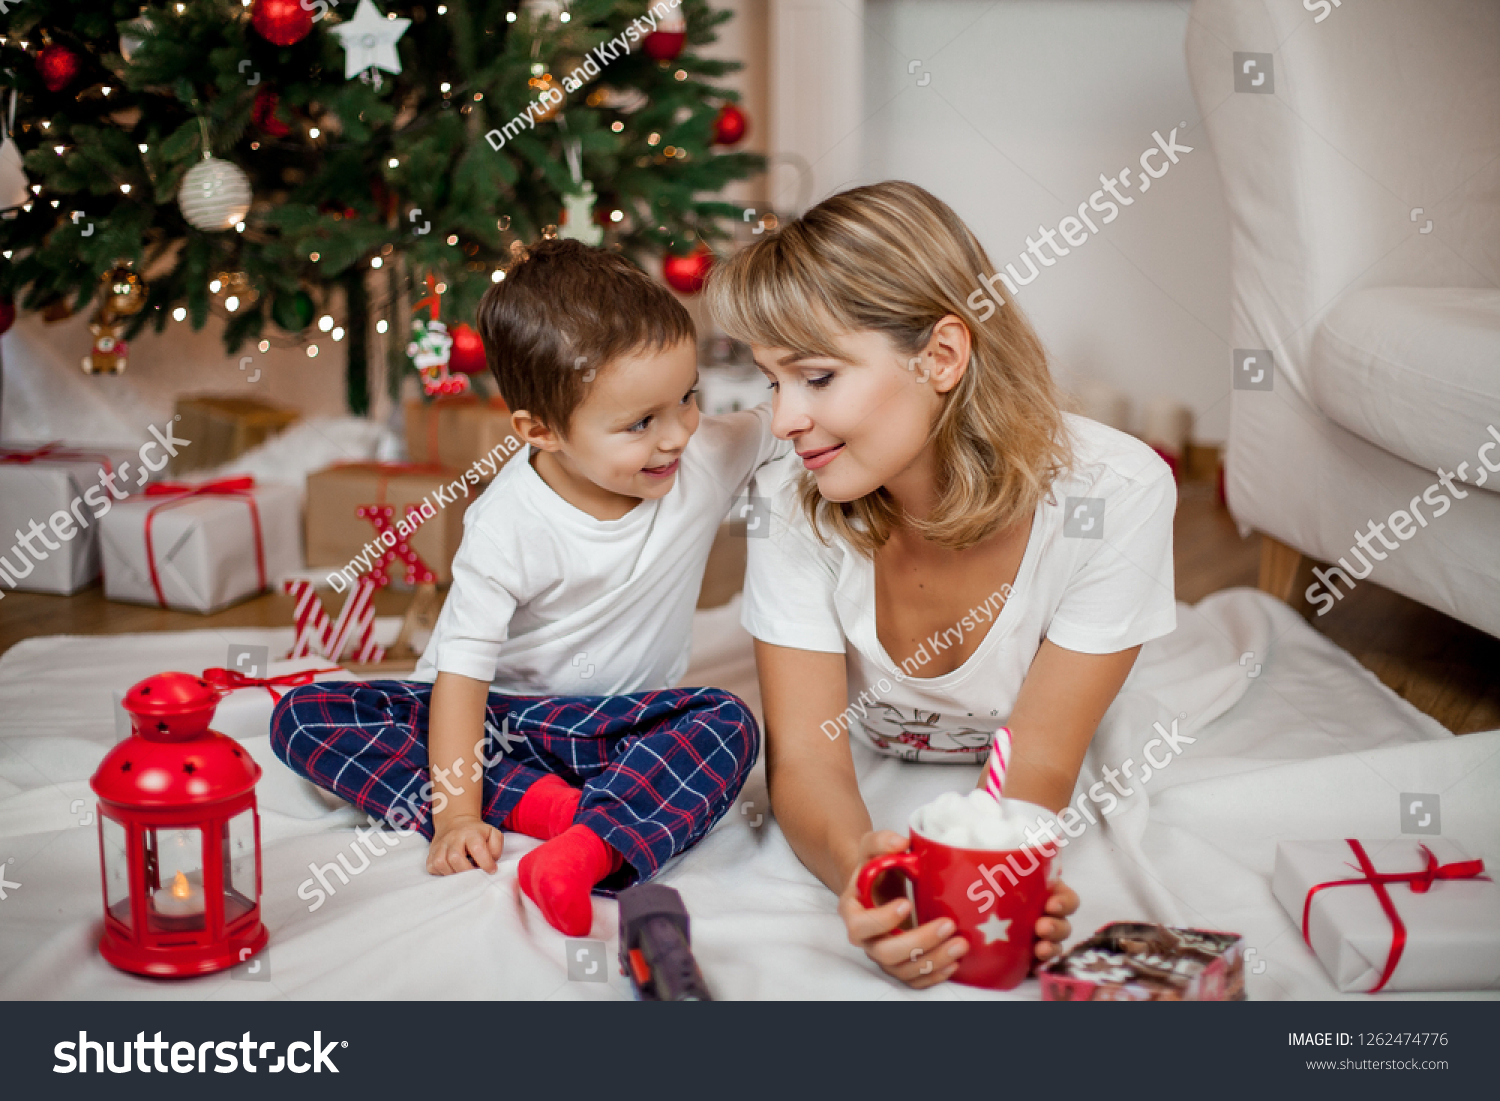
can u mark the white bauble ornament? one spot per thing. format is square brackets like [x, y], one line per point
[215, 194]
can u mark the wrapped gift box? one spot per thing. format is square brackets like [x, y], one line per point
[337, 535]
[458, 432]
[1136, 961]
[203, 544]
[1443, 906]
[223, 428]
[47, 483]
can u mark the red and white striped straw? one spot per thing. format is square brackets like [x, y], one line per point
[994, 781]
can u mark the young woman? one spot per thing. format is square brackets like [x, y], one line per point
[948, 550]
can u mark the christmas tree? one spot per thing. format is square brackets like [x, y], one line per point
[264, 160]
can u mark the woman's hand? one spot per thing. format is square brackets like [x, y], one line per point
[463, 842]
[1052, 930]
[920, 957]
[929, 954]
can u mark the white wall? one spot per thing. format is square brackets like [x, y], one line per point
[1027, 102]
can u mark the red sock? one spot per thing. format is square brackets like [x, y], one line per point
[546, 809]
[559, 875]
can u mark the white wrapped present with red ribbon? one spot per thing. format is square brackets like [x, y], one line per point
[1393, 915]
[52, 497]
[201, 546]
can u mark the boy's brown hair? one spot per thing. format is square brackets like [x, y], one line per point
[561, 315]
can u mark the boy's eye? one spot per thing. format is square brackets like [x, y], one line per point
[689, 395]
[640, 425]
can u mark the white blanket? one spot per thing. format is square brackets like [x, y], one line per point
[1293, 739]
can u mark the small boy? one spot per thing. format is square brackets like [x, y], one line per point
[570, 613]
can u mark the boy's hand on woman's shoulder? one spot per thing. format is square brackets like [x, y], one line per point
[462, 843]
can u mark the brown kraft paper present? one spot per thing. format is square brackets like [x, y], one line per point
[338, 539]
[224, 428]
[456, 431]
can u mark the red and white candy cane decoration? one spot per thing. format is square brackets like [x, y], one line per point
[310, 619]
[994, 780]
[417, 571]
[356, 622]
[316, 634]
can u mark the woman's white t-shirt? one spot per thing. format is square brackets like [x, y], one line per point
[1096, 577]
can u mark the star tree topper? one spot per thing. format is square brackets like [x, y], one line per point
[370, 40]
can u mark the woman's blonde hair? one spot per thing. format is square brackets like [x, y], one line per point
[895, 259]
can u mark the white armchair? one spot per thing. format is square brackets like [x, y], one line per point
[1362, 179]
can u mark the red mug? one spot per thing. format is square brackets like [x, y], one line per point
[993, 897]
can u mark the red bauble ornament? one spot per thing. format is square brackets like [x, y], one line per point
[730, 125]
[467, 354]
[58, 66]
[7, 314]
[685, 274]
[263, 114]
[281, 21]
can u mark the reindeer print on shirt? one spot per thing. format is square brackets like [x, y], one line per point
[925, 735]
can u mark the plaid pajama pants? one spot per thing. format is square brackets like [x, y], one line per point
[657, 769]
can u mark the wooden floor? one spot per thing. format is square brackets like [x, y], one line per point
[1446, 668]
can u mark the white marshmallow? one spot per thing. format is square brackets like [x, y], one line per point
[975, 821]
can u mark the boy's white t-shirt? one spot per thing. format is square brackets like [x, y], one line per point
[1093, 587]
[548, 601]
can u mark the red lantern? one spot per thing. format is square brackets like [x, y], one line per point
[282, 21]
[686, 274]
[467, 354]
[179, 837]
[58, 66]
[730, 125]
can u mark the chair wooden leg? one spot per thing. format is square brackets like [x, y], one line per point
[1279, 566]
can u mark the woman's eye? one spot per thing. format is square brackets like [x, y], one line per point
[821, 381]
[771, 385]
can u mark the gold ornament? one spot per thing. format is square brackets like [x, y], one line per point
[122, 291]
[550, 97]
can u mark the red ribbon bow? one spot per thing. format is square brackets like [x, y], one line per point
[183, 492]
[1420, 882]
[54, 452]
[225, 681]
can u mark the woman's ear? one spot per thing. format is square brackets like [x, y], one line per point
[534, 432]
[946, 356]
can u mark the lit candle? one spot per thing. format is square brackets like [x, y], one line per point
[184, 898]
